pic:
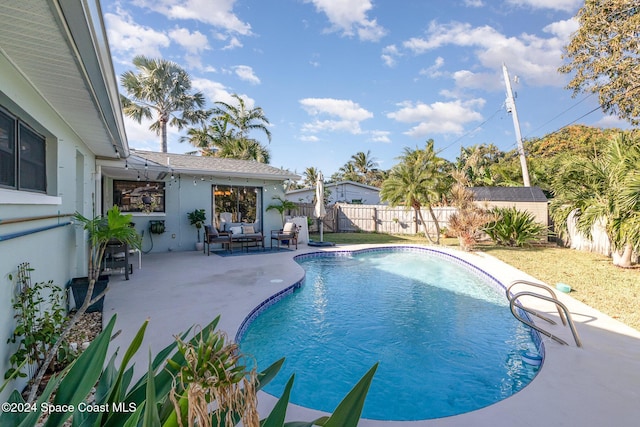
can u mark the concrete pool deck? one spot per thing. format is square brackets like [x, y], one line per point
[597, 385]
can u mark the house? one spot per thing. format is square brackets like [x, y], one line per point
[59, 112]
[530, 199]
[63, 149]
[175, 184]
[339, 192]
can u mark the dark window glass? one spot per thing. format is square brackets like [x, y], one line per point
[7, 151]
[239, 204]
[33, 174]
[136, 196]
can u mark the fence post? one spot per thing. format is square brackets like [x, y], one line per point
[375, 219]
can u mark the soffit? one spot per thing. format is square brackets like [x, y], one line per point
[39, 40]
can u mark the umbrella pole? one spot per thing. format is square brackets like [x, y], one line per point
[321, 227]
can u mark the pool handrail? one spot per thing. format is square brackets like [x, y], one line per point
[541, 286]
[513, 302]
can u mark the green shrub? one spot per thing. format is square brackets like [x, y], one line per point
[514, 228]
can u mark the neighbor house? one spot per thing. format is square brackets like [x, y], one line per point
[339, 192]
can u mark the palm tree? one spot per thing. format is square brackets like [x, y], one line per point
[310, 177]
[243, 149]
[348, 172]
[418, 180]
[363, 162]
[604, 189]
[245, 120]
[164, 88]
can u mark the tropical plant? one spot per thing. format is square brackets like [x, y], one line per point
[40, 314]
[476, 163]
[241, 117]
[242, 149]
[101, 231]
[604, 189]
[513, 227]
[164, 88]
[418, 180]
[197, 219]
[604, 56]
[187, 386]
[310, 177]
[281, 205]
[467, 222]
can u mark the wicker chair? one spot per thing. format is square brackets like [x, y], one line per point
[212, 235]
[288, 233]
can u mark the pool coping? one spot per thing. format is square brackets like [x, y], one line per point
[593, 386]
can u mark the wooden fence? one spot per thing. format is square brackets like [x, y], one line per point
[343, 217]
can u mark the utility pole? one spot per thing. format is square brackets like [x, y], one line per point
[511, 108]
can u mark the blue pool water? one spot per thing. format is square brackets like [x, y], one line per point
[445, 338]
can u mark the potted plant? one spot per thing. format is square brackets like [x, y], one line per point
[197, 219]
[88, 292]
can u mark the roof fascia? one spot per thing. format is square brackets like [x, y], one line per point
[84, 24]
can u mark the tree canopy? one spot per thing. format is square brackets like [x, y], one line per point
[164, 88]
[604, 55]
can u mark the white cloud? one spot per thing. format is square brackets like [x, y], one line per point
[348, 115]
[389, 55]
[438, 117]
[474, 3]
[380, 136]
[533, 58]
[343, 108]
[128, 38]
[245, 72]
[434, 70]
[218, 13]
[350, 17]
[564, 5]
[193, 43]
[215, 92]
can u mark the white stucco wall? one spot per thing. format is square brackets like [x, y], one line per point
[340, 193]
[57, 254]
[181, 197]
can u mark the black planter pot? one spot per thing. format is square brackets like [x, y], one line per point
[79, 286]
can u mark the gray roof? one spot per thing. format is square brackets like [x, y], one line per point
[214, 166]
[509, 194]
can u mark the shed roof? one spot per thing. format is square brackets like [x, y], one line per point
[509, 194]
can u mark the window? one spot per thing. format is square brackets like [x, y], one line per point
[243, 203]
[136, 196]
[22, 156]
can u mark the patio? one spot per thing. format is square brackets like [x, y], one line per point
[593, 386]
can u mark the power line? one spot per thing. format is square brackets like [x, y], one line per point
[560, 114]
[470, 132]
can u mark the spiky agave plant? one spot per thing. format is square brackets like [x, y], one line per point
[214, 372]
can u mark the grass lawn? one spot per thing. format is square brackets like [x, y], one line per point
[593, 279]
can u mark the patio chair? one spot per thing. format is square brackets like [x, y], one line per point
[289, 234]
[116, 257]
[212, 235]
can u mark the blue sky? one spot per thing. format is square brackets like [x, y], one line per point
[335, 77]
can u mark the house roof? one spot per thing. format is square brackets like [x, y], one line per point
[509, 194]
[336, 184]
[200, 165]
[61, 50]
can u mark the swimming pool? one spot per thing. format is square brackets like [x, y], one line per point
[441, 330]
